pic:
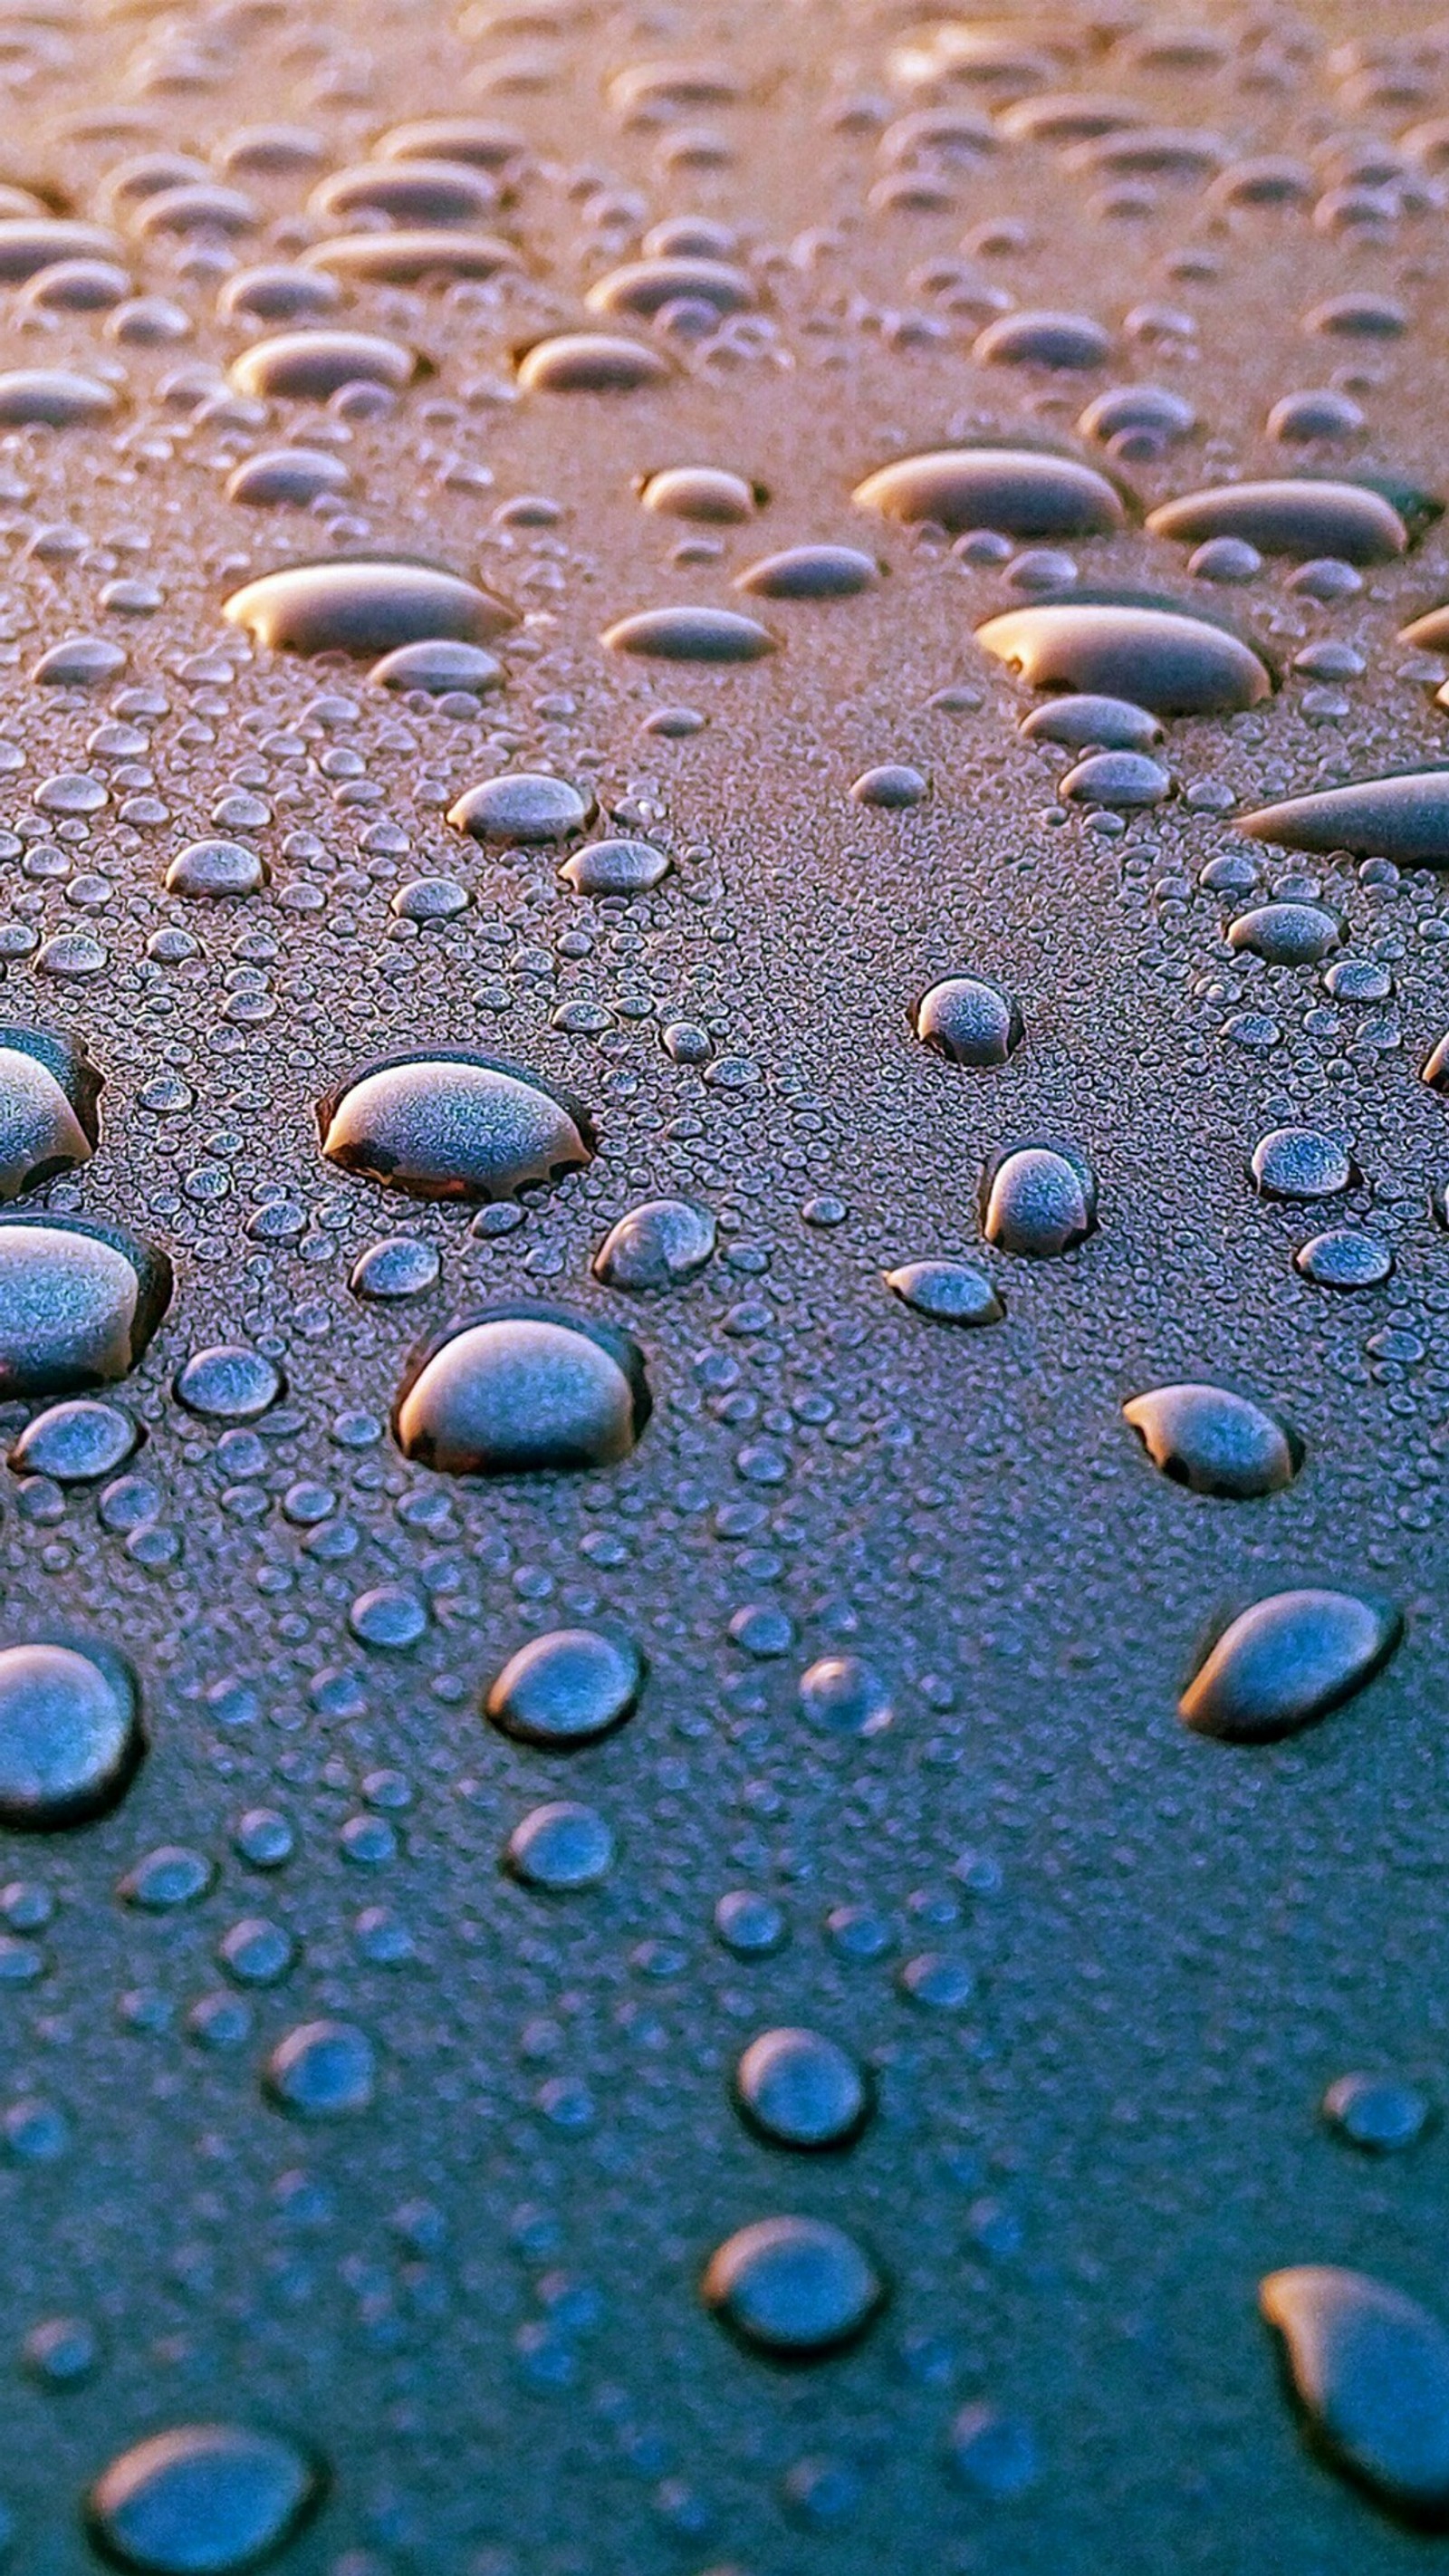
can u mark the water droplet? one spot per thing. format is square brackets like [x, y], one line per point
[751, 1926]
[398, 1266]
[560, 1847]
[1370, 2368]
[216, 2498]
[229, 1383]
[1132, 420]
[1122, 781]
[1173, 660]
[1024, 492]
[1287, 1661]
[1404, 817]
[364, 608]
[167, 1879]
[799, 2089]
[1088, 723]
[615, 867]
[76, 1442]
[70, 1734]
[1286, 934]
[994, 2454]
[52, 396]
[842, 1696]
[78, 1303]
[290, 476]
[893, 788]
[213, 870]
[411, 255]
[1382, 2114]
[28, 245]
[703, 492]
[591, 362]
[323, 2070]
[1299, 518]
[1214, 1442]
[522, 1390]
[569, 1687]
[1057, 340]
[411, 191]
[1344, 1258]
[312, 365]
[810, 572]
[523, 806]
[646, 286]
[690, 635]
[453, 1127]
[49, 1089]
[79, 662]
[1038, 1199]
[438, 666]
[947, 1292]
[797, 2288]
[969, 1021]
[1299, 1163]
[658, 1244]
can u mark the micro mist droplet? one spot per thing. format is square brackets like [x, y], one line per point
[522, 1390]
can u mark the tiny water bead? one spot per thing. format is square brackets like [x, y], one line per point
[49, 1090]
[840, 1695]
[1379, 2114]
[469, 1127]
[78, 1303]
[522, 1390]
[1403, 817]
[1154, 652]
[1023, 491]
[1038, 1199]
[969, 1021]
[1286, 1662]
[203, 2500]
[1215, 1442]
[657, 1245]
[946, 1292]
[794, 2288]
[71, 1736]
[560, 1848]
[1300, 1164]
[1370, 2369]
[323, 2070]
[364, 607]
[800, 2089]
[569, 1687]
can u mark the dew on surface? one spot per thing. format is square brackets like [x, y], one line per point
[658, 1244]
[522, 1391]
[1370, 2369]
[1286, 1662]
[1025, 492]
[453, 1127]
[568, 1687]
[946, 1292]
[364, 608]
[78, 1303]
[1381, 2115]
[795, 2288]
[216, 2497]
[1215, 1442]
[1156, 653]
[70, 1733]
[1038, 1200]
[801, 2089]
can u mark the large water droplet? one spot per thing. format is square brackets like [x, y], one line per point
[1215, 1442]
[800, 2089]
[969, 1021]
[54, 397]
[793, 2287]
[1157, 653]
[569, 1687]
[658, 1244]
[690, 635]
[522, 1390]
[524, 806]
[1286, 1662]
[1023, 491]
[1404, 817]
[453, 1126]
[1299, 518]
[591, 362]
[1038, 1200]
[203, 2500]
[810, 572]
[70, 1733]
[312, 365]
[1370, 2368]
[48, 1094]
[78, 1303]
[946, 1292]
[364, 608]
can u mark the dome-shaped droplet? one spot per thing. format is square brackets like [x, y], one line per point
[453, 1127]
[438, 666]
[406, 192]
[560, 1847]
[214, 870]
[702, 492]
[946, 1292]
[229, 1382]
[616, 867]
[569, 1687]
[203, 2500]
[1031, 339]
[690, 635]
[1154, 652]
[844, 1696]
[411, 255]
[1038, 1200]
[1286, 1662]
[323, 2070]
[1404, 817]
[793, 2287]
[1298, 518]
[1023, 491]
[31, 243]
[1286, 934]
[312, 365]
[522, 1390]
[643, 287]
[1300, 1163]
[53, 397]
[70, 1733]
[78, 1303]
[75, 1442]
[1215, 1442]
[1121, 781]
[292, 477]
[1381, 2115]
[591, 362]
[658, 1244]
[800, 2089]
[810, 572]
[1370, 2369]
[1344, 1258]
[49, 1089]
[1086, 723]
[364, 608]
[969, 1021]
[524, 806]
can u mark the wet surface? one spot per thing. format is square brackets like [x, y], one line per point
[724, 916]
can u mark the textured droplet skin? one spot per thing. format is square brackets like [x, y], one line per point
[569, 1687]
[1369, 2368]
[1404, 817]
[616, 867]
[658, 1244]
[1299, 518]
[203, 2500]
[1153, 652]
[1215, 1442]
[78, 1303]
[48, 1094]
[453, 1127]
[1022, 491]
[969, 1021]
[1287, 1661]
[796, 2288]
[522, 1390]
[70, 1733]
[364, 608]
